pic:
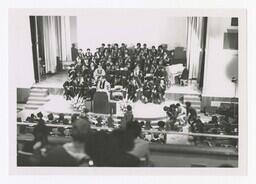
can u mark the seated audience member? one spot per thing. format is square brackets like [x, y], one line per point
[60, 119]
[72, 153]
[197, 127]
[84, 113]
[40, 115]
[213, 125]
[148, 125]
[214, 120]
[31, 119]
[132, 90]
[161, 125]
[110, 122]
[110, 150]
[99, 121]
[160, 136]
[141, 147]
[74, 117]
[226, 126]
[50, 118]
[191, 113]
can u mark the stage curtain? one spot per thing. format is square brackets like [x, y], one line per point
[194, 37]
[65, 39]
[56, 31]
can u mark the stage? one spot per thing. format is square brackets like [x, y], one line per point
[151, 112]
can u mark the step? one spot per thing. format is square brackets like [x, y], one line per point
[39, 90]
[32, 94]
[196, 106]
[33, 107]
[35, 102]
[194, 102]
[43, 99]
[191, 97]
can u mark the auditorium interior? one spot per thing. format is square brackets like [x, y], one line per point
[173, 79]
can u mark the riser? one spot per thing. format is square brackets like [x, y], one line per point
[41, 99]
[192, 99]
[38, 90]
[38, 95]
[35, 103]
[43, 93]
[193, 102]
[177, 96]
[32, 108]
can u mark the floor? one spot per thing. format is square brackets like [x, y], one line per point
[191, 88]
[53, 81]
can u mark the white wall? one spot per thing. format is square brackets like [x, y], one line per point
[95, 28]
[20, 50]
[221, 64]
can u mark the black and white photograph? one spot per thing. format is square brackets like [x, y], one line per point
[126, 88]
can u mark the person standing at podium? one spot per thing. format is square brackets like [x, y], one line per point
[98, 72]
[103, 84]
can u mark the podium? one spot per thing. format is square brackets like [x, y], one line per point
[102, 103]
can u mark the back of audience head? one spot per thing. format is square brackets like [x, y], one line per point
[125, 140]
[129, 108]
[142, 123]
[148, 125]
[80, 130]
[50, 117]
[161, 124]
[74, 117]
[40, 115]
[134, 129]
[188, 104]
[61, 116]
[214, 119]
[102, 148]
